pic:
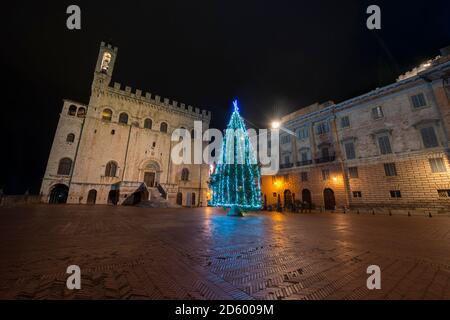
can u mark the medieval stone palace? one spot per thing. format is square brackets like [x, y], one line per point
[116, 149]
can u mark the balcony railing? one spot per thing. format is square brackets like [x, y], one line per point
[286, 165]
[304, 163]
[326, 159]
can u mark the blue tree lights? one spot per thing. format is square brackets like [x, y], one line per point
[236, 181]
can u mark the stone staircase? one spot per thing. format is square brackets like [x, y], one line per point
[156, 200]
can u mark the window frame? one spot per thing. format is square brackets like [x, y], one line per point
[439, 167]
[109, 119]
[425, 100]
[345, 125]
[109, 172]
[390, 169]
[435, 136]
[379, 115]
[146, 120]
[353, 172]
[68, 167]
[72, 136]
[123, 116]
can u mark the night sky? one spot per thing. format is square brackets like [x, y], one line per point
[275, 56]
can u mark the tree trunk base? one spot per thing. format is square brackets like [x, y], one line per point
[235, 211]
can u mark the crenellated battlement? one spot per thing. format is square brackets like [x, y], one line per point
[109, 46]
[155, 99]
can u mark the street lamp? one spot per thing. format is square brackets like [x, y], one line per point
[276, 125]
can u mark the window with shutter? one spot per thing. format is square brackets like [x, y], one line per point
[390, 169]
[353, 172]
[437, 165]
[429, 137]
[418, 100]
[345, 122]
[385, 145]
[377, 113]
[350, 150]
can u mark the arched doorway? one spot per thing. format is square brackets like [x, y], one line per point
[287, 199]
[59, 194]
[179, 199]
[113, 197]
[151, 174]
[306, 196]
[329, 199]
[92, 196]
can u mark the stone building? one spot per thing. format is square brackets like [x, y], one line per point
[116, 149]
[388, 148]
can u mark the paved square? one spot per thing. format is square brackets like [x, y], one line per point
[137, 253]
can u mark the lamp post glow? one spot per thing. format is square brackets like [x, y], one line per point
[276, 125]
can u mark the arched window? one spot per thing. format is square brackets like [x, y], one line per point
[123, 118]
[163, 127]
[81, 113]
[107, 115]
[70, 137]
[184, 174]
[105, 62]
[72, 110]
[65, 166]
[148, 123]
[111, 169]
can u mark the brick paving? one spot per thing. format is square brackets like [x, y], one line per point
[138, 253]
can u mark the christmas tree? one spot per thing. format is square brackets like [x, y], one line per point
[236, 181]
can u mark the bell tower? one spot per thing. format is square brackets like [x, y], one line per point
[105, 66]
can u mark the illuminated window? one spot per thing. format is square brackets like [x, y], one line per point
[105, 62]
[107, 115]
[65, 166]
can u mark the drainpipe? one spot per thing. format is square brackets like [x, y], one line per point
[126, 154]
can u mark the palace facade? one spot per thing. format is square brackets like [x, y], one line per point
[388, 148]
[116, 149]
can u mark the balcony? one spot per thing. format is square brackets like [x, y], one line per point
[286, 165]
[304, 163]
[325, 159]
